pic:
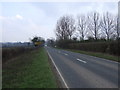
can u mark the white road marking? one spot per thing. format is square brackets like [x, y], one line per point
[58, 71]
[81, 60]
[66, 54]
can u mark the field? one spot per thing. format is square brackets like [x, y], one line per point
[28, 70]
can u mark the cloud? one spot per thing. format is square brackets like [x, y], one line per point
[11, 17]
[21, 22]
[19, 17]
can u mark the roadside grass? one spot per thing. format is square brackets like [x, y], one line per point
[29, 70]
[97, 54]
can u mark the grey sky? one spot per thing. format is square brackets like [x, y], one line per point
[23, 20]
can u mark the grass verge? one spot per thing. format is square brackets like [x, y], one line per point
[29, 70]
[97, 54]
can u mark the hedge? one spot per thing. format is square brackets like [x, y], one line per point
[104, 47]
[8, 53]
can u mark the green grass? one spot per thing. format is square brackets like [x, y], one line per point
[30, 70]
[97, 54]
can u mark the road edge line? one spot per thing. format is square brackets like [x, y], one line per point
[58, 71]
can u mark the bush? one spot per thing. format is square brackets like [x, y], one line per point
[8, 53]
[114, 48]
[104, 47]
[65, 43]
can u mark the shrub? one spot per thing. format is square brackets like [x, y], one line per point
[104, 47]
[114, 48]
[8, 53]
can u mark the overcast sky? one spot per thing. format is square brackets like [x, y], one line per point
[23, 20]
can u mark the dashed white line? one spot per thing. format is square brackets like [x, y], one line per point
[81, 60]
[58, 71]
[66, 54]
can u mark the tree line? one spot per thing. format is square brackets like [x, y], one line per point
[91, 32]
[92, 25]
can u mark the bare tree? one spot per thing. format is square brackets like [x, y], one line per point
[108, 25]
[82, 26]
[117, 26]
[65, 27]
[71, 26]
[60, 33]
[94, 24]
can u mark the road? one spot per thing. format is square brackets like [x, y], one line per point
[84, 71]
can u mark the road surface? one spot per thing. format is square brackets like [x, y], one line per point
[84, 71]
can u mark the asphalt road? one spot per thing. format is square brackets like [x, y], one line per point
[84, 71]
